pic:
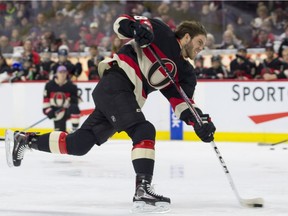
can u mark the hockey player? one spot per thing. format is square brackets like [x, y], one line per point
[241, 67]
[217, 69]
[126, 80]
[60, 101]
[270, 65]
[283, 72]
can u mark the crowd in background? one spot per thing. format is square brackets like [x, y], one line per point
[42, 28]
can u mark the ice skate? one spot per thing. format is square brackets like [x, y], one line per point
[146, 200]
[16, 144]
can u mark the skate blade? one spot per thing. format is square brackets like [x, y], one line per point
[142, 207]
[9, 142]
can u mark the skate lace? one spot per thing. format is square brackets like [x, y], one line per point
[151, 191]
[21, 152]
[22, 148]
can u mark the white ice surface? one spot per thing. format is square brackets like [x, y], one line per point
[102, 182]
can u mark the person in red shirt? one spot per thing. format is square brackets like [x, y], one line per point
[94, 36]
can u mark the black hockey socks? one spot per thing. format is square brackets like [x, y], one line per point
[143, 155]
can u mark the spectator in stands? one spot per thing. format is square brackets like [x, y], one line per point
[217, 69]
[17, 73]
[229, 41]
[94, 36]
[30, 71]
[278, 20]
[210, 42]
[60, 23]
[271, 64]
[107, 28]
[93, 62]
[105, 45]
[284, 41]
[41, 23]
[29, 52]
[5, 47]
[210, 20]
[34, 37]
[243, 30]
[24, 27]
[262, 39]
[241, 67]
[9, 24]
[45, 42]
[65, 40]
[43, 7]
[4, 67]
[11, 10]
[69, 9]
[15, 38]
[199, 66]
[117, 43]
[45, 66]
[262, 15]
[164, 15]
[80, 44]
[183, 11]
[74, 70]
[75, 26]
[283, 72]
[52, 8]
[100, 8]
[22, 11]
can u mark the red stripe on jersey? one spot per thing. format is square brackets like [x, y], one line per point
[46, 100]
[133, 65]
[62, 143]
[59, 96]
[176, 101]
[148, 144]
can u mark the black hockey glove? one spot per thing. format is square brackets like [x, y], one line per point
[51, 114]
[143, 33]
[206, 131]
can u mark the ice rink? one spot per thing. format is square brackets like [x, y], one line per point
[102, 182]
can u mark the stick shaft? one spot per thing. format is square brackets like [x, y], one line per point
[272, 144]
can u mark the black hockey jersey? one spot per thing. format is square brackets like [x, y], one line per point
[144, 71]
[273, 67]
[57, 97]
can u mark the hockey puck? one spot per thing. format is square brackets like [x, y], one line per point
[284, 148]
[272, 148]
[258, 205]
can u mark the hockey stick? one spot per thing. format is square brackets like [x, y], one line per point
[272, 144]
[251, 203]
[31, 126]
[36, 123]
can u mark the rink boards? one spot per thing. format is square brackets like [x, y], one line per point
[244, 111]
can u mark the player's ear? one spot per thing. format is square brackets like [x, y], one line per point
[187, 38]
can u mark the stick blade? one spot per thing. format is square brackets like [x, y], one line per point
[252, 203]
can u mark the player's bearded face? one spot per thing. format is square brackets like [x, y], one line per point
[194, 46]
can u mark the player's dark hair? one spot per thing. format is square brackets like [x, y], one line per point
[193, 28]
[94, 47]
